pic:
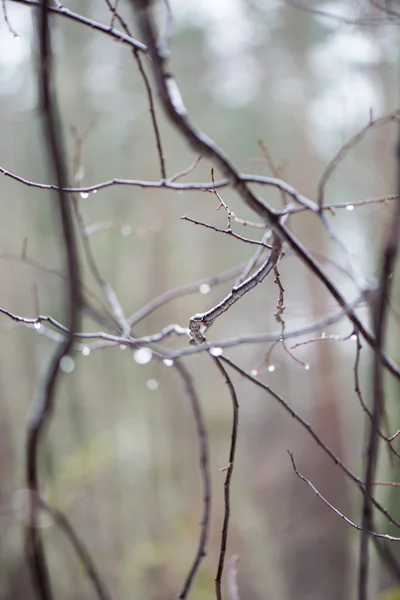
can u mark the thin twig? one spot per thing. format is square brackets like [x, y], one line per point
[205, 474]
[344, 150]
[65, 12]
[7, 20]
[227, 232]
[229, 472]
[384, 536]
[148, 89]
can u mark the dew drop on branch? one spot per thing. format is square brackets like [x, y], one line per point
[67, 364]
[204, 288]
[216, 351]
[37, 325]
[271, 368]
[254, 372]
[142, 356]
[84, 195]
[85, 350]
[168, 362]
[353, 337]
[350, 207]
[307, 367]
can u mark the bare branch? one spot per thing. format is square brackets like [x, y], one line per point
[229, 472]
[384, 536]
[44, 403]
[65, 12]
[205, 474]
[307, 426]
[200, 322]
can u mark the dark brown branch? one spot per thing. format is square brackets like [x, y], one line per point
[202, 437]
[380, 308]
[229, 472]
[44, 403]
[7, 20]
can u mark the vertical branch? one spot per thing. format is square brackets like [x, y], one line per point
[149, 92]
[205, 475]
[44, 403]
[380, 308]
[229, 472]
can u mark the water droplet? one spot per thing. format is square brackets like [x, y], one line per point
[37, 324]
[85, 350]
[350, 207]
[17, 38]
[307, 367]
[271, 368]
[216, 351]
[152, 384]
[254, 372]
[67, 364]
[353, 337]
[168, 362]
[142, 356]
[204, 288]
[84, 195]
[126, 230]
[122, 347]
[94, 191]
[323, 335]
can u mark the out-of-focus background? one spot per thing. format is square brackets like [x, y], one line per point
[121, 456]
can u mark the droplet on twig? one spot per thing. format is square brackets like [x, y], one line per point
[216, 351]
[254, 372]
[204, 288]
[350, 207]
[353, 337]
[84, 195]
[271, 368]
[307, 367]
[142, 356]
[67, 364]
[168, 362]
[85, 350]
[37, 324]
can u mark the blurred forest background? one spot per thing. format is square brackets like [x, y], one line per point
[120, 456]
